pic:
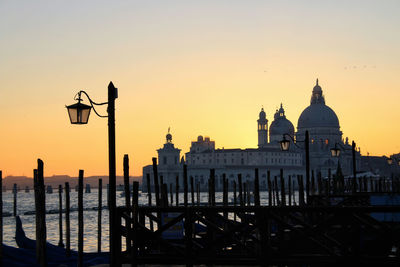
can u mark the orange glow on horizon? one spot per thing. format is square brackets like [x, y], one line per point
[201, 69]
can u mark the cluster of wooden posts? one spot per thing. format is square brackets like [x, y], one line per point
[40, 213]
[246, 232]
[238, 232]
[281, 190]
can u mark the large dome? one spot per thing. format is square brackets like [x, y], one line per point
[317, 114]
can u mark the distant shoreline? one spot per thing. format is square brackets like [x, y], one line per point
[55, 180]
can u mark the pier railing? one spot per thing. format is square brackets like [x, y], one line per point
[261, 235]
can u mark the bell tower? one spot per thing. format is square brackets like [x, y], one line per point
[262, 128]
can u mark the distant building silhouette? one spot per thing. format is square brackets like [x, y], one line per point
[318, 119]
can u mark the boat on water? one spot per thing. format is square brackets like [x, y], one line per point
[25, 254]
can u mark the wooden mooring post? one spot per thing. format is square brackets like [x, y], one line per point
[15, 192]
[185, 185]
[270, 191]
[171, 193]
[198, 193]
[40, 204]
[225, 193]
[1, 215]
[156, 185]
[290, 190]
[67, 221]
[256, 188]
[283, 192]
[241, 199]
[80, 219]
[191, 189]
[177, 190]
[127, 199]
[99, 217]
[212, 187]
[60, 224]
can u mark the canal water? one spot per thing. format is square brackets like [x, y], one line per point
[26, 206]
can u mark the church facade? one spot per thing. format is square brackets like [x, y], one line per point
[318, 119]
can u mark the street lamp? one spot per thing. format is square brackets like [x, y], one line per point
[335, 152]
[285, 144]
[79, 114]
[392, 160]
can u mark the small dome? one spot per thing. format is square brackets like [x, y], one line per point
[281, 125]
[200, 138]
[262, 114]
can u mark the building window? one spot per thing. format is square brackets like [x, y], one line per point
[164, 160]
[242, 161]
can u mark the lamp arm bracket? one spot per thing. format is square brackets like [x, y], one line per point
[92, 103]
[294, 142]
[342, 146]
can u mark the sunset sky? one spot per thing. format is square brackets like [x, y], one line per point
[200, 67]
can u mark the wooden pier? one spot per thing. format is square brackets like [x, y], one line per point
[335, 221]
[265, 236]
[289, 221]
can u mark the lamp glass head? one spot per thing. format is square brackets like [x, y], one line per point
[335, 152]
[285, 144]
[79, 113]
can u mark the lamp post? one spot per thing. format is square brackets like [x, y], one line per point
[335, 152]
[392, 160]
[285, 144]
[79, 114]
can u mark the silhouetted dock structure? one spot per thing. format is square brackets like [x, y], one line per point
[293, 221]
[335, 221]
